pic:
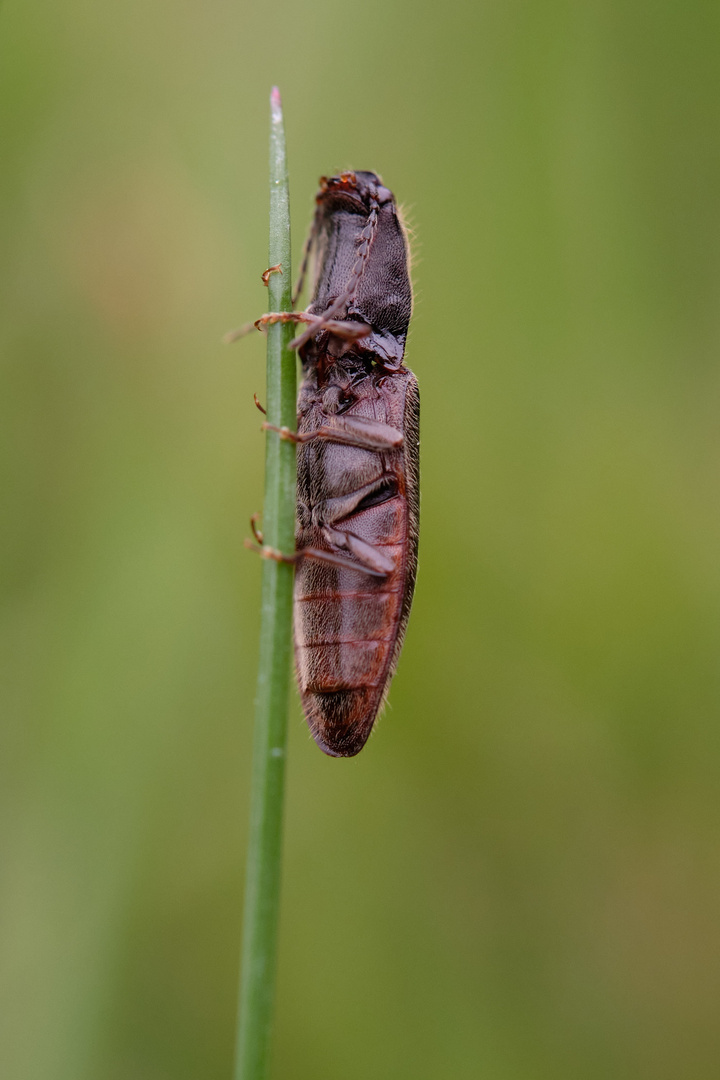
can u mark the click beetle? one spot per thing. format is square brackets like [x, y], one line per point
[358, 461]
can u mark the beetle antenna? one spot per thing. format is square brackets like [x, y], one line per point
[365, 243]
[307, 250]
[241, 332]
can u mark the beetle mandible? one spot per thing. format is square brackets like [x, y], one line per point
[358, 458]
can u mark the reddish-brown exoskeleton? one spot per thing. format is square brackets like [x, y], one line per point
[358, 454]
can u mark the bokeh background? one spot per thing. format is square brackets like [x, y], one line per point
[519, 877]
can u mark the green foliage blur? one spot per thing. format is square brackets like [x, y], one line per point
[518, 879]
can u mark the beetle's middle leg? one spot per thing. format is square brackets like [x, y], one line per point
[359, 431]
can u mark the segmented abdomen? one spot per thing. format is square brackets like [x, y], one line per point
[349, 625]
[346, 625]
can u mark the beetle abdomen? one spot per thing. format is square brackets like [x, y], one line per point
[346, 625]
[349, 625]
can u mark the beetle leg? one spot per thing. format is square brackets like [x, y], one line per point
[372, 558]
[267, 320]
[347, 331]
[318, 555]
[266, 552]
[357, 431]
[265, 276]
[273, 317]
[254, 526]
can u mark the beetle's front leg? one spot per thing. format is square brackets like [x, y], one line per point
[347, 331]
[350, 330]
[268, 320]
[350, 430]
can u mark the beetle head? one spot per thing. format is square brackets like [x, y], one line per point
[361, 189]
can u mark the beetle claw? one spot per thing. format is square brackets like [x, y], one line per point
[255, 531]
[270, 270]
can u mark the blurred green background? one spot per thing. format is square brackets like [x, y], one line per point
[519, 878]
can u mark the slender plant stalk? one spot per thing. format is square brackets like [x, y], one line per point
[262, 889]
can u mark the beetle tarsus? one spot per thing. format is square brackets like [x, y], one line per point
[286, 435]
[255, 531]
[272, 317]
[266, 552]
[265, 276]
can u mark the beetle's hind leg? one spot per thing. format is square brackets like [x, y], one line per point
[331, 514]
[363, 565]
[265, 276]
[255, 530]
[372, 559]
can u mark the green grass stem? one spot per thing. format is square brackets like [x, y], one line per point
[262, 888]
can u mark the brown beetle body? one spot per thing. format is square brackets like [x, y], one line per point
[349, 624]
[358, 500]
[358, 457]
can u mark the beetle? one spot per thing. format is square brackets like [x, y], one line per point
[358, 461]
